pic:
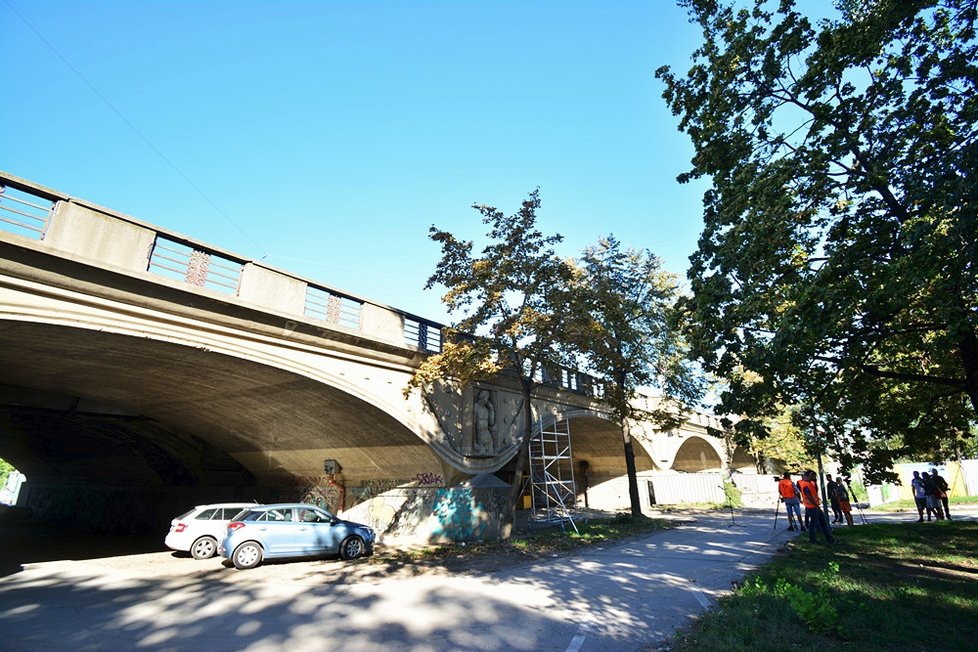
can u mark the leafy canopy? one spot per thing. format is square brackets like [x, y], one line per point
[628, 333]
[839, 259]
[512, 300]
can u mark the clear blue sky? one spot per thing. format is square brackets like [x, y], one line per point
[331, 135]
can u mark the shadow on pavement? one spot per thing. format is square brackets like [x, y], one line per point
[23, 541]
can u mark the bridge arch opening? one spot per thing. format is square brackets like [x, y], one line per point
[105, 425]
[697, 454]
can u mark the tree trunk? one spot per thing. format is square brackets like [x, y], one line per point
[630, 468]
[969, 358]
[522, 460]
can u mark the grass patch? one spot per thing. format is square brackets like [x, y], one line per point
[533, 545]
[885, 587]
[908, 505]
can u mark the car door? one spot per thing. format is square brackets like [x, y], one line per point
[317, 534]
[277, 530]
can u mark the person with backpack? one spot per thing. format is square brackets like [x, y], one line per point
[940, 492]
[842, 496]
[791, 499]
[932, 495]
[809, 496]
[832, 492]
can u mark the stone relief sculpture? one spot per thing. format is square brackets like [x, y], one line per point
[484, 431]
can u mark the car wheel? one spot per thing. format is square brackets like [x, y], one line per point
[352, 548]
[247, 555]
[204, 548]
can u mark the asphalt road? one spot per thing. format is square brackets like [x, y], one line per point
[627, 596]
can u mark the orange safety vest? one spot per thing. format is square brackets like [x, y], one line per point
[810, 502]
[787, 488]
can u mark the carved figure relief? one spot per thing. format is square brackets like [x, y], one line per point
[484, 426]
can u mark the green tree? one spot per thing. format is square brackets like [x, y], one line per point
[513, 301]
[6, 468]
[626, 329]
[786, 442]
[839, 257]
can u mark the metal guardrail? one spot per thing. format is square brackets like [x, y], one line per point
[424, 335]
[333, 308]
[24, 213]
[195, 266]
[26, 209]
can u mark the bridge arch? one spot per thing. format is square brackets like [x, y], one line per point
[698, 454]
[97, 406]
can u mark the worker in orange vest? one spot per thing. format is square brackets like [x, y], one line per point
[791, 499]
[809, 496]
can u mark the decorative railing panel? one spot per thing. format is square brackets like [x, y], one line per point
[23, 213]
[333, 308]
[197, 267]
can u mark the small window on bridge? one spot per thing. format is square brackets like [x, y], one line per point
[333, 308]
[198, 267]
[24, 214]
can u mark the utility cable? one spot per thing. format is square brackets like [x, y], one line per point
[135, 130]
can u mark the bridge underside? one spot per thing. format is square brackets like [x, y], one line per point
[81, 407]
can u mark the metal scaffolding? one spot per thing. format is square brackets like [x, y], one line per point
[552, 475]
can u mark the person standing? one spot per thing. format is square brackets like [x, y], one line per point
[933, 500]
[809, 496]
[919, 497]
[791, 499]
[842, 495]
[940, 491]
[832, 491]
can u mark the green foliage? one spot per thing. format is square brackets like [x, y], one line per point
[813, 607]
[6, 468]
[837, 266]
[626, 326]
[782, 439]
[885, 575]
[858, 489]
[732, 496]
[512, 301]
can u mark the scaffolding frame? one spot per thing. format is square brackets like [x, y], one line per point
[552, 486]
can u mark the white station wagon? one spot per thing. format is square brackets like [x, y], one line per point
[199, 530]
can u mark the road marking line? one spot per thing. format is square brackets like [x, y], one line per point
[578, 639]
[702, 599]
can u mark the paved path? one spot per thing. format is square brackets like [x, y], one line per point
[628, 596]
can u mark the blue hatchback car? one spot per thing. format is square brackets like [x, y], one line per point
[292, 530]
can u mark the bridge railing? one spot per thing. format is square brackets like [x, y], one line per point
[24, 213]
[111, 239]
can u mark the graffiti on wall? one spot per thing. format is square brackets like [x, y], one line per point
[327, 492]
[435, 514]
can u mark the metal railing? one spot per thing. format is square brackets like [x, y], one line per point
[333, 308]
[24, 213]
[199, 267]
[26, 209]
[422, 334]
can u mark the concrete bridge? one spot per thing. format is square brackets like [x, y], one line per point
[142, 371]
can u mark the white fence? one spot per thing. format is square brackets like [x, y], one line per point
[675, 488]
[969, 469]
